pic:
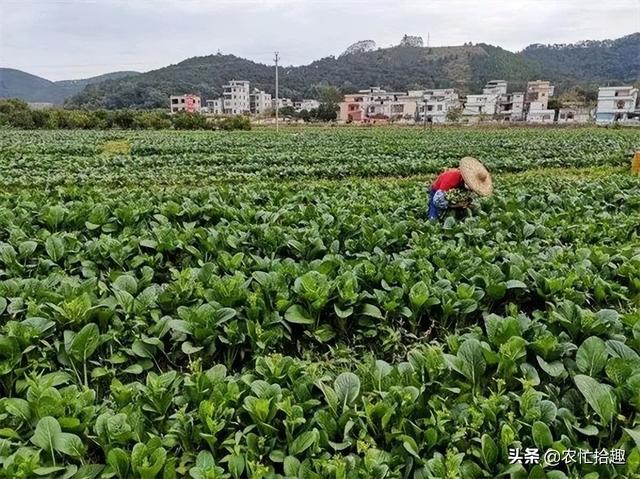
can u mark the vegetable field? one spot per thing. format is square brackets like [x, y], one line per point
[262, 305]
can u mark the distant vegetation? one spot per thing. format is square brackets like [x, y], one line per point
[465, 67]
[27, 87]
[16, 114]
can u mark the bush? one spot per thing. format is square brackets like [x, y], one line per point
[16, 113]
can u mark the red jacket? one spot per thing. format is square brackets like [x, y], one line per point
[448, 180]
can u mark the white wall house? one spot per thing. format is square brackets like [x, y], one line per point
[495, 87]
[308, 105]
[214, 106]
[435, 104]
[617, 103]
[537, 101]
[541, 116]
[259, 102]
[282, 102]
[235, 97]
[574, 115]
[477, 105]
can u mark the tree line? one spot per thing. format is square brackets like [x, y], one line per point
[17, 114]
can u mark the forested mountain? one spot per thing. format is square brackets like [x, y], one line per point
[402, 67]
[615, 61]
[464, 67]
[28, 87]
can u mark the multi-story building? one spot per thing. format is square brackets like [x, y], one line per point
[476, 105]
[184, 103]
[617, 103]
[538, 93]
[537, 101]
[235, 98]
[511, 106]
[214, 106]
[435, 104]
[259, 102]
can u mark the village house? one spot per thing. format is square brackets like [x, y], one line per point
[214, 106]
[574, 114]
[435, 104]
[537, 101]
[306, 105]
[259, 102]
[480, 105]
[617, 103]
[235, 98]
[378, 105]
[184, 103]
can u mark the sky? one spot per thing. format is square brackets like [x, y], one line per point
[67, 39]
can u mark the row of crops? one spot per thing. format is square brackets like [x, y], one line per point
[60, 157]
[316, 328]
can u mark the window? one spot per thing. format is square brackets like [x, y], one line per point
[174, 101]
[439, 107]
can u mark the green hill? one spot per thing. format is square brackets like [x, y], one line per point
[589, 62]
[28, 87]
[465, 67]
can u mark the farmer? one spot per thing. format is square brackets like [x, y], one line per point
[470, 176]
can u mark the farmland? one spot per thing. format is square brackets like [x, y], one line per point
[253, 304]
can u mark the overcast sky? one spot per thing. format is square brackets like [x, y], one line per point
[64, 39]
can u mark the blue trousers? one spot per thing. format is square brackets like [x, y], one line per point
[437, 204]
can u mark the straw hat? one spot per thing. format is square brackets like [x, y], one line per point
[476, 176]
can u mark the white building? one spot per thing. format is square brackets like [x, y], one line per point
[541, 116]
[184, 103]
[537, 101]
[214, 106]
[282, 102]
[477, 105]
[235, 97]
[538, 92]
[259, 102]
[435, 104]
[307, 105]
[617, 103]
[495, 87]
[511, 106]
[574, 115]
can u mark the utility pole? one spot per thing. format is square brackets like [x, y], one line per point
[427, 39]
[277, 57]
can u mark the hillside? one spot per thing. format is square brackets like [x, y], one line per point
[28, 87]
[397, 68]
[402, 67]
[589, 61]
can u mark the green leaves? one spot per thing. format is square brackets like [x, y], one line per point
[591, 357]
[469, 361]
[54, 246]
[599, 397]
[347, 388]
[49, 437]
[45, 434]
[81, 345]
[298, 315]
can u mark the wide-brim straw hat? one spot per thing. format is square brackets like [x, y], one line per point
[476, 176]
